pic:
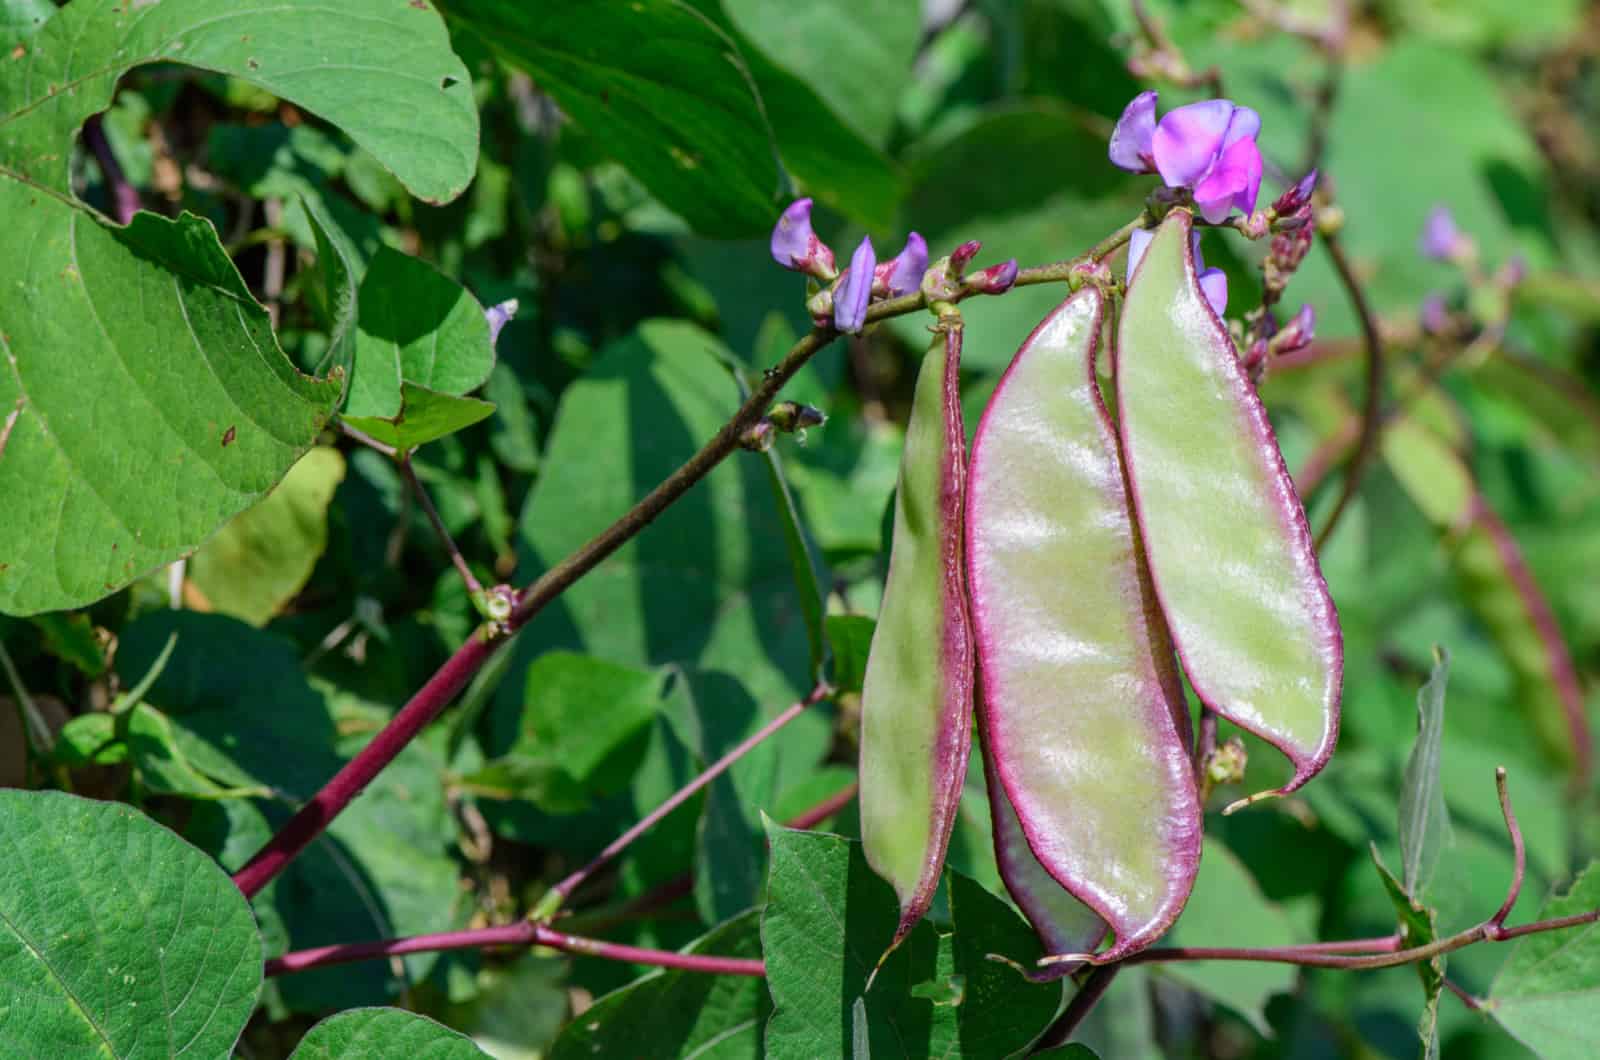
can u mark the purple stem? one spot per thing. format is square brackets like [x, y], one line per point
[312, 818]
[522, 933]
[124, 196]
[824, 809]
[1372, 394]
[564, 889]
[1519, 853]
[1475, 1004]
[1082, 1003]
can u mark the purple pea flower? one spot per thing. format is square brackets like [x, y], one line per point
[1213, 282]
[1208, 146]
[795, 246]
[498, 317]
[1441, 240]
[903, 273]
[854, 291]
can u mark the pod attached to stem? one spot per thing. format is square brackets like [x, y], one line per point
[1226, 537]
[916, 696]
[1083, 715]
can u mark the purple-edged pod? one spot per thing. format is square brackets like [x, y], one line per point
[916, 697]
[1063, 924]
[1083, 713]
[1223, 530]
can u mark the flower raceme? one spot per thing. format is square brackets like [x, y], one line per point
[1208, 147]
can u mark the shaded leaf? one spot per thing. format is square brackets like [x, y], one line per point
[380, 1033]
[679, 1013]
[1424, 817]
[263, 557]
[1419, 926]
[661, 87]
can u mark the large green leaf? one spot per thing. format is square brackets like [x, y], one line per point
[415, 326]
[117, 938]
[708, 584]
[1548, 992]
[827, 923]
[679, 1013]
[857, 53]
[144, 399]
[380, 1033]
[1424, 817]
[660, 87]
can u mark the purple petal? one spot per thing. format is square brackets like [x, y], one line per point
[1214, 285]
[792, 235]
[1435, 316]
[1234, 181]
[1138, 243]
[1131, 139]
[1186, 141]
[1245, 124]
[1297, 197]
[850, 298]
[1194, 248]
[499, 316]
[907, 268]
[1440, 236]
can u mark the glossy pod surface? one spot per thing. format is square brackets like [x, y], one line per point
[1083, 712]
[916, 697]
[1226, 537]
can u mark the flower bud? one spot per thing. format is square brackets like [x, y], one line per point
[1435, 315]
[758, 437]
[791, 416]
[1441, 240]
[1297, 198]
[1297, 334]
[853, 293]
[962, 256]
[795, 246]
[996, 279]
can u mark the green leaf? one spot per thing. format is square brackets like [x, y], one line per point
[807, 584]
[415, 326]
[828, 920]
[1000, 1013]
[240, 692]
[1547, 994]
[21, 19]
[172, 761]
[582, 732]
[72, 639]
[708, 584]
[382, 72]
[117, 938]
[425, 416]
[134, 435]
[262, 559]
[849, 638]
[857, 53]
[333, 285]
[102, 499]
[1424, 817]
[1225, 896]
[679, 1013]
[381, 1033]
[661, 88]
[1419, 926]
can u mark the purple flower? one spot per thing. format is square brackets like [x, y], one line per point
[1213, 282]
[795, 246]
[902, 273]
[854, 291]
[1441, 239]
[498, 317]
[1208, 146]
[1435, 315]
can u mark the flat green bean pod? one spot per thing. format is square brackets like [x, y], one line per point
[1226, 536]
[1083, 714]
[916, 696]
